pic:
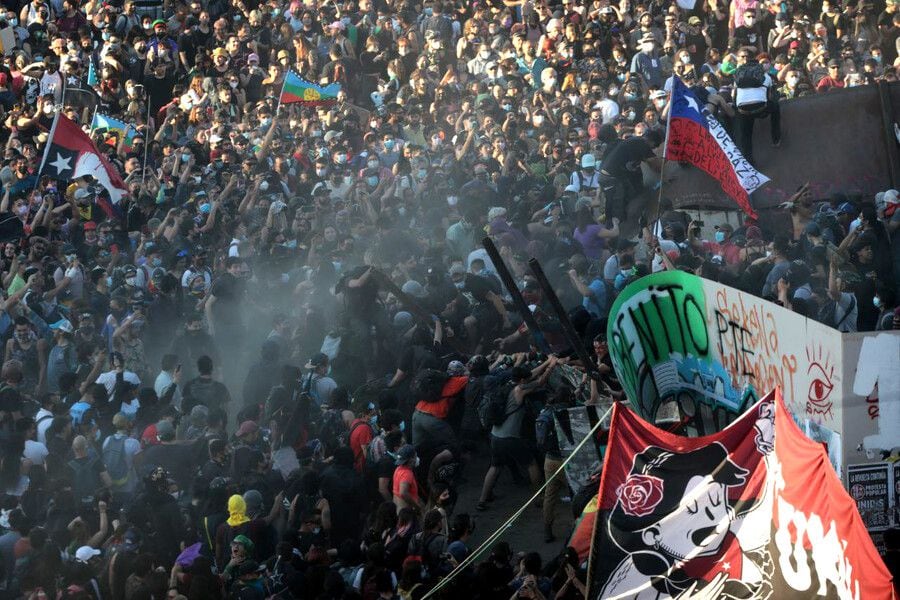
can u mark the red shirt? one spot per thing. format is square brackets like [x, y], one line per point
[451, 389]
[829, 82]
[405, 473]
[729, 252]
[360, 436]
[148, 438]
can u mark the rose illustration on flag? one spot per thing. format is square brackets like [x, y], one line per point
[640, 494]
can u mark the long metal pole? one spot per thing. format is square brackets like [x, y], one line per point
[565, 323]
[510, 284]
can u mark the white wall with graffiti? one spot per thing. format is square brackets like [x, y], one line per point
[692, 354]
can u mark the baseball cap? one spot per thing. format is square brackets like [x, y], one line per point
[86, 553]
[414, 289]
[253, 57]
[695, 20]
[62, 325]
[406, 453]
[848, 209]
[318, 359]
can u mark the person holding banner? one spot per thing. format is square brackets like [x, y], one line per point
[755, 98]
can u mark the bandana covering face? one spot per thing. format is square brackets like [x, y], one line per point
[237, 511]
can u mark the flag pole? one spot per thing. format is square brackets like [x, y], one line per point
[48, 143]
[281, 93]
[93, 117]
[662, 170]
[146, 143]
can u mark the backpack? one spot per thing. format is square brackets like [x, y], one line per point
[750, 76]
[543, 428]
[373, 452]
[492, 407]
[114, 459]
[828, 312]
[332, 431]
[345, 439]
[84, 482]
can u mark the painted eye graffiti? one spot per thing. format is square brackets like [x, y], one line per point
[819, 390]
[820, 375]
[820, 387]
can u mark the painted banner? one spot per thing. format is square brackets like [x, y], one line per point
[754, 511]
[870, 487]
[572, 426]
[694, 136]
[704, 352]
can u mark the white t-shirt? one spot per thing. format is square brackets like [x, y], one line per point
[108, 380]
[36, 452]
[43, 425]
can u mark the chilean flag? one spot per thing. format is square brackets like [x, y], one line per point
[696, 137]
[70, 153]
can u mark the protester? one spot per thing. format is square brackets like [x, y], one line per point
[254, 313]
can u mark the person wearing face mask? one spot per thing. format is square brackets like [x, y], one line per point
[791, 88]
[389, 152]
[25, 347]
[723, 245]
[192, 343]
[362, 432]
[646, 64]
[404, 485]
[477, 67]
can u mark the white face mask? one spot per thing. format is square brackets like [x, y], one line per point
[538, 120]
[263, 186]
[321, 172]
[373, 164]
[646, 48]
[485, 54]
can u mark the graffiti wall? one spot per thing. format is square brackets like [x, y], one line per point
[697, 352]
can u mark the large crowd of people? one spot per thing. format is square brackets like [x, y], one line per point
[269, 367]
